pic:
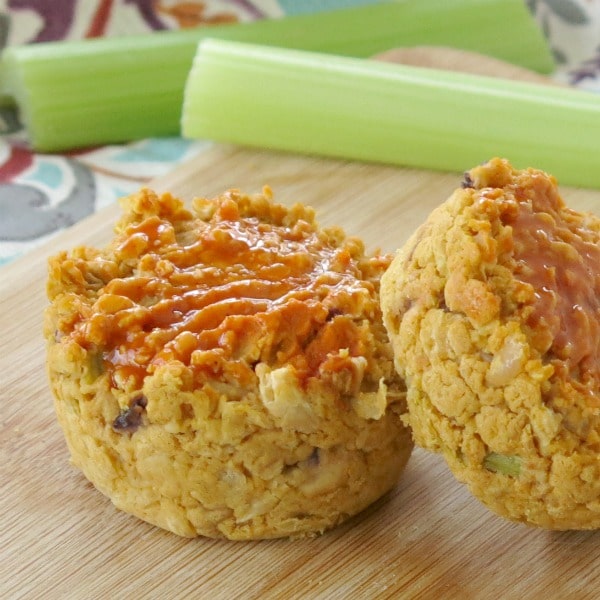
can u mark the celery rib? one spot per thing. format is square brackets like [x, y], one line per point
[74, 94]
[352, 108]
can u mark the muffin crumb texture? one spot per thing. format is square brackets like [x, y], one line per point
[224, 370]
[493, 309]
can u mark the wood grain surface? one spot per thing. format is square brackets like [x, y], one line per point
[60, 538]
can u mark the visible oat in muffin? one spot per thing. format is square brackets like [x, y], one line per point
[225, 371]
[493, 309]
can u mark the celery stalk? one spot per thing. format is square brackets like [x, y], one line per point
[359, 109]
[80, 93]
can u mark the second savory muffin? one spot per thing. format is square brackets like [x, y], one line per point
[493, 308]
[225, 372]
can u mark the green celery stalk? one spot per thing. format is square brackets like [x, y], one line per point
[80, 93]
[366, 110]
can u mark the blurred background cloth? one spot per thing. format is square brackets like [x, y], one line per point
[44, 193]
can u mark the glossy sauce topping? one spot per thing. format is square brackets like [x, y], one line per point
[234, 291]
[560, 258]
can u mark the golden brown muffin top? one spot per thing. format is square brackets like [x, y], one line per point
[506, 259]
[236, 281]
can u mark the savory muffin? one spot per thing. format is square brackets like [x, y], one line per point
[225, 371]
[493, 309]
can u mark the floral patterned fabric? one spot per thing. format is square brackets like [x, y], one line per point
[40, 194]
[572, 28]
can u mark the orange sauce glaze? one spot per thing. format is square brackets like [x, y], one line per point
[243, 291]
[560, 258]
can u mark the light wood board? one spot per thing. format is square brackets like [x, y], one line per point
[60, 538]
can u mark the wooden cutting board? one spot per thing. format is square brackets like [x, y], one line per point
[60, 538]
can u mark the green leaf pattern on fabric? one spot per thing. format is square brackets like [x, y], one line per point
[569, 11]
